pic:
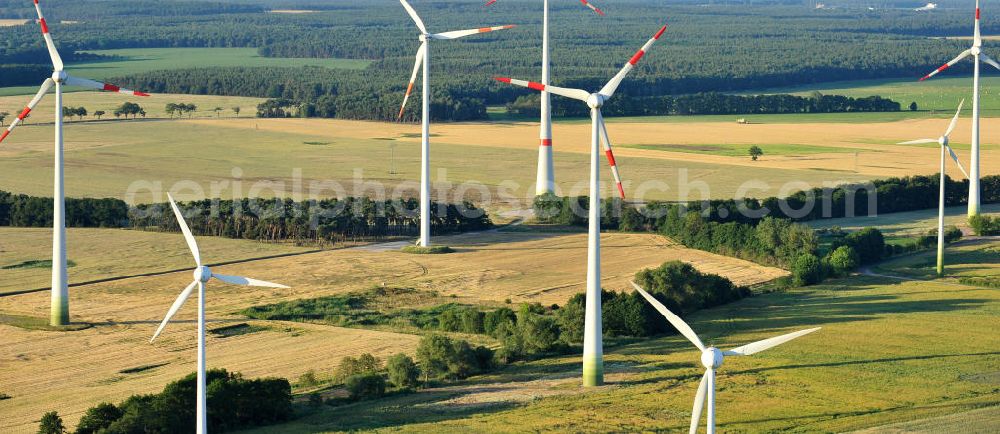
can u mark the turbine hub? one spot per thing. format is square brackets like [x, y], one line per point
[712, 358]
[943, 141]
[202, 274]
[59, 76]
[422, 38]
[976, 50]
[595, 100]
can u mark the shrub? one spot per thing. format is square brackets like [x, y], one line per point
[51, 423]
[807, 270]
[308, 379]
[984, 225]
[368, 385]
[494, 319]
[364, 364]
[868, 243]
[443, 357]
[472, 321]
[98, 417]
[403, 372]
[843, 259]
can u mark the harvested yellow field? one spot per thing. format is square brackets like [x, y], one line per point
[79, 369]
[7, 22]
[103, 253]
[877, 156]
[154, 105]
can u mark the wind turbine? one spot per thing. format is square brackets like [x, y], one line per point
[943, 141]
[545, 181]
[712, 358]
[977, 54]
[202, 274]
[593, 358]
[423, 57]
[59, 311]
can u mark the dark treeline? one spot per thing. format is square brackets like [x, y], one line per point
[326, 221]
[750, 46]
[710, 104]
[30, 211]
[330, 220]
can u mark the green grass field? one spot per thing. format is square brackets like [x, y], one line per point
[888, 352]
[139, 60]
[941, 93]
[740, 150]
[905, 224]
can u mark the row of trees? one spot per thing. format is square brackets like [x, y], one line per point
[710, 104]
[180, 109]
[236, 403]
[324, 221]
[22, 210]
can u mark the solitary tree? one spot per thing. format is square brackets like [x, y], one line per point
[171, 109]
[218, 111]
[81, 112]
[756, 152]
[99, 113]
[913, 106]
[237, 111]
[3, 116]
[51, 423]
[68, 112]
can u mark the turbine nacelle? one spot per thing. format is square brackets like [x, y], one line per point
[712, 358]
[59, 76]
[943, 140]
[202, 274]
[596, 100]
[976, 49]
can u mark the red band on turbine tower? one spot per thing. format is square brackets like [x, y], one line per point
[546, 142]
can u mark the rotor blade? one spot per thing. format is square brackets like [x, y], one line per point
[57, 62]
[577, 94]
[413, 14]
[463, 33]
[989, 60]
[609, 89]
[83, 82]
[954, 120]
[947, 65]
[192, 244]
[918, 141]
[959, 163]
[759, 346]
[675, 320]
[490, 3]
[610, 154]
[592, 7]
[238, 280]
[413, 77]
[46, 85]
[699, 402]
[174, 308]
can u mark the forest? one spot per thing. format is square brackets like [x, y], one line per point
[718, 47]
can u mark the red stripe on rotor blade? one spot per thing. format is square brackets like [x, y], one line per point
[490, 2]
[485, 29]
[977, 13]
[621, 190]
[502, 79]
[943, 67]
[660, 33]
[546, 142]
[409, 89]
[45, 27]
[611, 157]
[137, 93]
[111, 88]
[24, 113]
[536, 86]
[36, 2]
[4, 135]
[635, 59]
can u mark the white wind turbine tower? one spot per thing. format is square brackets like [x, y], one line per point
[423, 58]
[59, 313]
[593, 351]
[545, 181]
[943, 141]
[712, 358]
[977, 54]
[202, 274]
